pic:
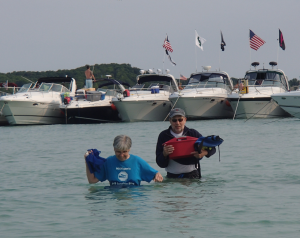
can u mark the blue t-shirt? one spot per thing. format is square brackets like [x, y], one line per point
[129, 172]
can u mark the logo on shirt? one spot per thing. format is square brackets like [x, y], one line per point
[123, 176]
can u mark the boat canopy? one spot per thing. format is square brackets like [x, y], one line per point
[266, 78]
[111, 82]
[55, 80]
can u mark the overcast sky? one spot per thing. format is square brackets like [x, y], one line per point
[40, 35]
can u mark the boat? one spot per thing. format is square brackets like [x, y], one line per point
[148, 100]
[289, 101]
[5, 90]
[94, 106]
[38, 103]
[205, 95]
[252, 96]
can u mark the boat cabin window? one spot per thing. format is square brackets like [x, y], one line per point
[267, 78]
[25, 88]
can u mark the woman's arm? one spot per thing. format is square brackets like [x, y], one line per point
[91, 177]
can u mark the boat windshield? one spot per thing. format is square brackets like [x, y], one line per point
[59, 88]
[108, 92]
[208, 80]
[25, 88]
[266, 79]
[45, 87]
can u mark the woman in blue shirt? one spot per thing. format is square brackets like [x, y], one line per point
[124, 168]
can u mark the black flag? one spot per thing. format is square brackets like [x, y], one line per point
[222, 42]
[281, 40]
[170, 58]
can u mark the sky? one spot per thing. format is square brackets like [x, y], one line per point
[41, 35]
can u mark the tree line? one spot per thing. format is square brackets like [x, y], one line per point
[122, 72]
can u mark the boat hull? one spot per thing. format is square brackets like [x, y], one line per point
[204, 107]
[259, 107]
[28, 112]
[290, 102]
[143, 110]
[91, 114]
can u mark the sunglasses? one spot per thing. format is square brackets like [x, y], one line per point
[175, 120]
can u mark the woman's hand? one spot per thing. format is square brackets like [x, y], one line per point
[87, 153]
[158, 177]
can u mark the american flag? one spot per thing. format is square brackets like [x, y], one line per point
[167, 45]
[182, 77]
[255, 41]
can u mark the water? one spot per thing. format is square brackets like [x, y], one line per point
[253, 192]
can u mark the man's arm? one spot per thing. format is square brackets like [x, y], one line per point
[161, 160]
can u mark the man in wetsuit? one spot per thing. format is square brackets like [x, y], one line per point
[185, 167]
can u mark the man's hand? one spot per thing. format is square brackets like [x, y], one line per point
[201, 155]
[168, 149]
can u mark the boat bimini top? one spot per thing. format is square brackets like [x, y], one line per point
[110, 81]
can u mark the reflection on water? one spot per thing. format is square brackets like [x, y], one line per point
[182, 199]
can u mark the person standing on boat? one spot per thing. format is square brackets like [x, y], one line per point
[184, 167]
[89, 77]
[123, 168]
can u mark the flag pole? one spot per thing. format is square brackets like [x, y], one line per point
[164, 64]
[220, 53]
[196, 53]
[219, 59]
[249, 48]
[277, 50]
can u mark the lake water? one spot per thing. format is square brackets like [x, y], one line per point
[253, 192]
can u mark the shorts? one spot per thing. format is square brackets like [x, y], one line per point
[191, 175]
[88, 83]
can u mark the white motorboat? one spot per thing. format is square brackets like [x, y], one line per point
[289, 101]
[5, 90]
[38, 103]
[252, 98]
[205, 96]
[148, 100]
[94, 106]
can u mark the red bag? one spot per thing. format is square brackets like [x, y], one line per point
[183, 146]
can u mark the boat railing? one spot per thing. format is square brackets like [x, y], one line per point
[9, 90]
[162, 88]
